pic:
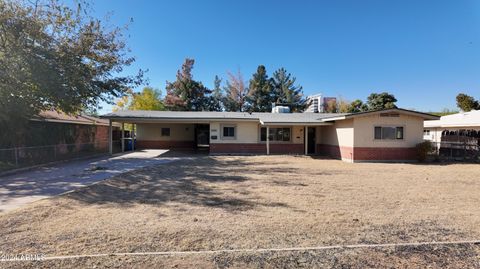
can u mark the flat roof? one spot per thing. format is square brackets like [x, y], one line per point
[462, 119]
[262, 117]
[265, 118]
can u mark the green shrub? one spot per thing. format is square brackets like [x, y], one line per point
[423, 149]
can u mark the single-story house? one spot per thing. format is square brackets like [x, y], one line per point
[386, 135]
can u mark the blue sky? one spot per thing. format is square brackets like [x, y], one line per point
[424, 52]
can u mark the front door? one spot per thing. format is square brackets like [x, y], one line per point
[311, 140]
[202, 135]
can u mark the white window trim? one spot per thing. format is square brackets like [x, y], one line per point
[390, 140]
[228, 137]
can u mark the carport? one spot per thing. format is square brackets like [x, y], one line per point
[223, 132]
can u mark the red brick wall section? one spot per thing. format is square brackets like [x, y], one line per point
[385, 154]
[256, 148]
[155, 144]
[294, 149]
[338, 152]
[367, 154]
[102, 133]
[232, 148]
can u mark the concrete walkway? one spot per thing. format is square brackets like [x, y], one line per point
[21, 188]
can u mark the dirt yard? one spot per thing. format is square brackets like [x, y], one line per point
[212, 203]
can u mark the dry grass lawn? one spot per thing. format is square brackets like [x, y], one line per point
[210, 203]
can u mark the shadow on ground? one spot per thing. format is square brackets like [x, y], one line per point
[188, 181]
[20, 188]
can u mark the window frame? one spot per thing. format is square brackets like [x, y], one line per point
[165, 128]
[276, 141]
[223, 137]
[395, 127]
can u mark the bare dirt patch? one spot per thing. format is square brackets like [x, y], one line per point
[210, 203]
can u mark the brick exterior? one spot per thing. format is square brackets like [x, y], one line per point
[102, 133]
[245, 148]
[155, 144]
[295, 149]
[338, 152]
[384, 154]
[367, 154]
[256, 148]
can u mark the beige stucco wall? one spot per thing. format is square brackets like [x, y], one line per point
[249, 132]
[153, 131]
[364, 130]
[297, 134]
[246, 132]
[340, 133]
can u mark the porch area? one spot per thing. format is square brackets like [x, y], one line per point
[222, 138]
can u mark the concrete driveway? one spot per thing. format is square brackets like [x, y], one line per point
[21, 188]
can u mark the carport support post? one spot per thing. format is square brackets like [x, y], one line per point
[132, 136]
[268, 140]
[306, 140]
[123, 137]
[110, 137]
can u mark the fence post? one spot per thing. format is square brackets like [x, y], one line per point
[16, 156]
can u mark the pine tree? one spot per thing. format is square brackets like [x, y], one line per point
[260, 91]
[185, 93]
[286, 92]
[216, 98]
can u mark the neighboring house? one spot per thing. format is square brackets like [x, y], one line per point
[463, 122]
[53, 128]
[53, 136]
[456, 135]
[387, 135]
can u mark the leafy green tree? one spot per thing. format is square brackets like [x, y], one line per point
[379, 101]
[357, 106]
[53, 56]
[148, 99]
[185, 93]
[235, 93]
[286, 92]
[260, 91]
[467, 103]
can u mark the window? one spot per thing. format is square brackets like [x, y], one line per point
[426, 132]
[165, 131]
[388, 133]
[275, 134]
[228, 132]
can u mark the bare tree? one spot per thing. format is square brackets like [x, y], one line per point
[236, 92]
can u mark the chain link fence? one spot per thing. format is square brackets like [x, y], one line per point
[18, 157]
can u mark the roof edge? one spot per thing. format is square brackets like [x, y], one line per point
[426, 116]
